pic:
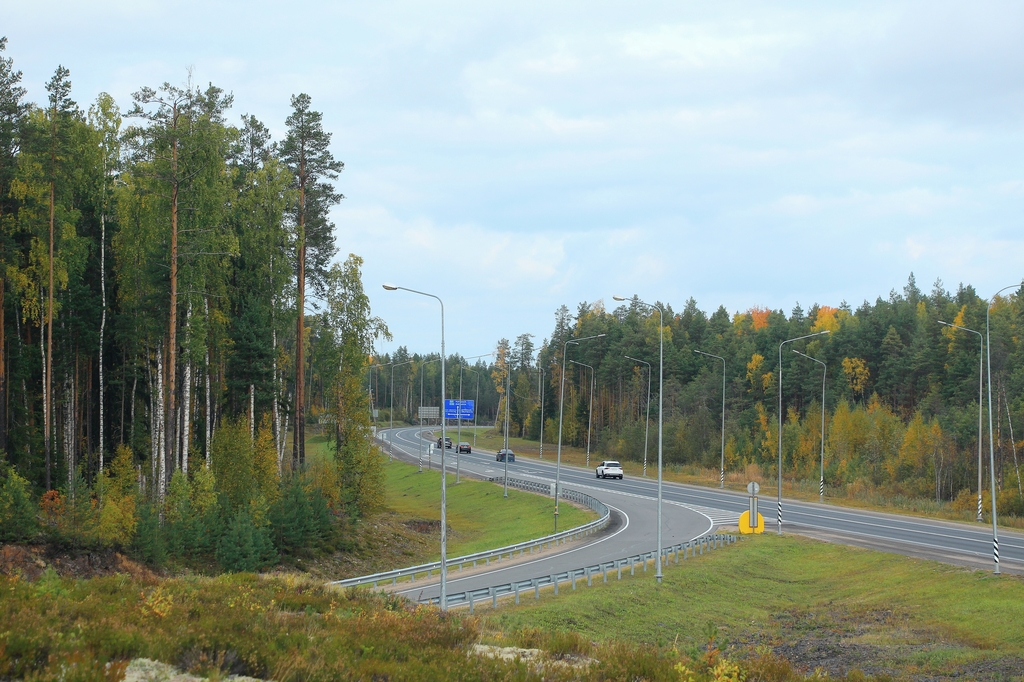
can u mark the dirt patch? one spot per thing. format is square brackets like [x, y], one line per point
[882, 643]
[426, 526]
[379, 543]
[30, 561]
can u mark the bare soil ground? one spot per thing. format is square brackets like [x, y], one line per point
[30, 561]
[878, 643]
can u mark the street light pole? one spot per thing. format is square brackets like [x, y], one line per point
[981, 384]
[508, 399]
[661, 413]
[540, 389]
[590, 417]
[824, 371]
[458, 441]
[444, 499]
[806, 336]
[721, 471]
[647, 422]
[391, 432]
[991, 445]
[561, 410]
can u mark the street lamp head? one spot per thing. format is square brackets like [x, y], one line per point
[390, 287]
[618, 298]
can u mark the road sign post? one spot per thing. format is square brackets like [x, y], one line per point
[751, 521]
[459, 409]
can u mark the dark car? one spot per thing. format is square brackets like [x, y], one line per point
[447, 443]
[503, 453]
[464, 447]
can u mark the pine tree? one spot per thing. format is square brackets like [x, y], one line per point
[17, 510]
[306, 151]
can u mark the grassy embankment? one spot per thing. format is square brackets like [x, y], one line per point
[490, 439]
[479, 518]
[828, 607]
[818, 604]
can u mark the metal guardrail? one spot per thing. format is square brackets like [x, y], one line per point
[487, 556]
[469, 597]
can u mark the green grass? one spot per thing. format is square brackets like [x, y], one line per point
[479, 517]
[906, 615]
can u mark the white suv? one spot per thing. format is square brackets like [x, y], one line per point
[609, 469]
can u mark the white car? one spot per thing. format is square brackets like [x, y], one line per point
[609, 469]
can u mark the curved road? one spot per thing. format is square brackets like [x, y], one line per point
[691, 511]
[631, 531]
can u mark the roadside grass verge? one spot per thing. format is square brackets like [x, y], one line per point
[479, 516]
[281, 628]
[819, 605]
[288, 628]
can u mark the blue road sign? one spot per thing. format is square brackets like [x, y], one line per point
[458, 409]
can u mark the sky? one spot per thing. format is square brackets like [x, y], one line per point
[511, 157]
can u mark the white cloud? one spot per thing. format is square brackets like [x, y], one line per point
[520, 156]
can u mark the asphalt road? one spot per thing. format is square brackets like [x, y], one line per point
[632, 529]
[692, 510]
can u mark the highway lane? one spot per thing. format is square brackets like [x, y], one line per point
[631, 531]
[959, 543]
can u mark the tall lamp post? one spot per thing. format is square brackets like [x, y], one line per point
[540, 389]
[422, 365]
[458, 440]
[981, 384]
[590, 415]
[824, 371]
[806, 336]
[991, 446]
[661, 412]
[721, 471]
[561, 410]
[444, 501]
[476, 405]
[508, 400]
[647, 422]
[391, 431]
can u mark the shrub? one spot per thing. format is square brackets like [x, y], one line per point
[149, 539]
[245, 547]
[18, 522]
[291, 518]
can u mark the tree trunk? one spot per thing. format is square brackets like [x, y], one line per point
[208, 433]
[252, 412]
[47, 369]
[299, 444]
[172, 344]
[158, 411]
[103, 322]
[186, 414]
[3, 374]
[135, 383]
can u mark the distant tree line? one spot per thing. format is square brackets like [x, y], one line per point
[901, 392]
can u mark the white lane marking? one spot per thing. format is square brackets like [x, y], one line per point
[714, 516]
[913, 531]
[547, 558]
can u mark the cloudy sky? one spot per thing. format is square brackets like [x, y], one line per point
[512, 157]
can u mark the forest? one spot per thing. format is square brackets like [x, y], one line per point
[173, 315]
